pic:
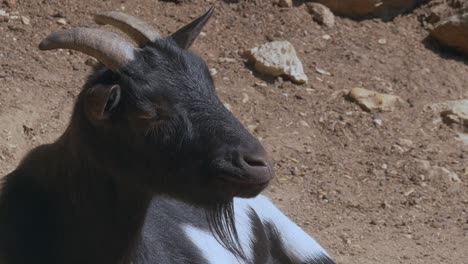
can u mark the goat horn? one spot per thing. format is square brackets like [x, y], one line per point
[106, 47]
[141, 32]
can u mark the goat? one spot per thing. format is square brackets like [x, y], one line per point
[152, 168]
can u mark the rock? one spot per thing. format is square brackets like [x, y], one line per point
[25, 20]
[295, 171]
[285, 3]
[463, 137]
[437, 108]
[245, 98]
[361, 9]
[382, 41]
[422, 165]
[304, 123]
[321, 14]
[322, 71]
[278, 58]
[14, 17]
[378, 122]
[226, 60]
[58, 14]
[398, 149]
[405, 142]
[385, 205]
[444, 172]
[457, 114]
[370, 100]
[440, 10]
[453, 112]
[213, 71]
[453, 32]
[16, 28]
[437, 13]
[425, 167]
[260, 84]
[4, 17]
[61, 21]
[91, 62]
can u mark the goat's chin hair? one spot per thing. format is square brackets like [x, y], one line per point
[221, 220]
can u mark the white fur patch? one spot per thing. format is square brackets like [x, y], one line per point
[298, 244]
[212, 251]
[244, 227]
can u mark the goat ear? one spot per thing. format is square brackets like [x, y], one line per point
[100, 102]
[185, 36]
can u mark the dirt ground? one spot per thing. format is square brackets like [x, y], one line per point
[358, 187]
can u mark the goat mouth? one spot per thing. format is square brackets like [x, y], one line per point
[236, 187]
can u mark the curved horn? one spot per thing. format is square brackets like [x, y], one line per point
[106, 47]
[185, 36]
[141, 32]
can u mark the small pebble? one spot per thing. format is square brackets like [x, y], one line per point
[213, 71]
[260, 84]
[226, 60]
[295, 171]
[25, 20]
[91, 62]
[245, 98]
[61, 21]
[398, 149]
[322, 71]
[304, 123]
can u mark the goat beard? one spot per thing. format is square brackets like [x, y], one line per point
[221, 221]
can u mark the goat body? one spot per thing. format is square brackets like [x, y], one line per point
[55, 227]
[147, 126]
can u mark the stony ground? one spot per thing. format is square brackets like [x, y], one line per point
[371, 187]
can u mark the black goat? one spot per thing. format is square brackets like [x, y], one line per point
[148, 168]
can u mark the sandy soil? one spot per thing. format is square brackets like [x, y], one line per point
[358, 187]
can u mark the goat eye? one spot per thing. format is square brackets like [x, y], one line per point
[151, 115]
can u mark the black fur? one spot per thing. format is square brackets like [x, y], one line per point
[155, 127]
[149, 148]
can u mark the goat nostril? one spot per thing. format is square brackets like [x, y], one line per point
[255, 161]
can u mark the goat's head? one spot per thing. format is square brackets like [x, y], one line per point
[152, 111]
